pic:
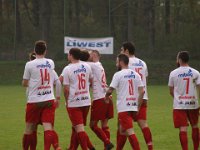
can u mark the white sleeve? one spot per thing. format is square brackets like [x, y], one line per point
[146, 70]
[58, 88]
[65, 76]
[139, 82]
[170, 83]
[115, 81]
[27, 74]
[197, 81]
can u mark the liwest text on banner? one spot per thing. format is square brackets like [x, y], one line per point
[103, 45]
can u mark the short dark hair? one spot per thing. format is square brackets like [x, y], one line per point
[130, 47]
[124, 58]
[40, 47]
[75, 52]
[184, 56]
[84, 55]
[97, 52]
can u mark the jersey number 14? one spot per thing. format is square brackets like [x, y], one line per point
[44, 76]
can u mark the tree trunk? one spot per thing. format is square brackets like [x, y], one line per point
[45, 16]
[152, 24]
[130, 22]
[69, 18]
[167, 17]
[35, 12]
[1, 9]
[77, 13]
[18, 23]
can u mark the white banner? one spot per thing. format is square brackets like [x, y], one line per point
[103, 45]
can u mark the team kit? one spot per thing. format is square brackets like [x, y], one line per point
[84, 75]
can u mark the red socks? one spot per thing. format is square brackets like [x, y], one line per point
[26, 141]
[50, 137]
[134, 142]
[100, 133]
[148, 137]
[74, 140]
[121, 140]
[30, 140]
[82, 137]
[195, 138]
[106, 131]
[183, 140]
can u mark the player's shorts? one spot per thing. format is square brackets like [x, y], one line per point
[142, 114]
[181, 117]
[78, 115]
[126, 119]
[41, 112]
[101, 110]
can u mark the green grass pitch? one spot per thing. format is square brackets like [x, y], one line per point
[12, 112]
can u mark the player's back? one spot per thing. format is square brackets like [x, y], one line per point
[41, 75]
[77, 76]
[184, 81]
[99, 80]
[127, 82]
[140, 67]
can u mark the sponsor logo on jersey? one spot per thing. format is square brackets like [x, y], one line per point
[47, 65]
[188, 74]
[44, 93]
[139, 64]
[130, 75]
[82, 69]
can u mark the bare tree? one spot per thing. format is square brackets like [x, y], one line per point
[1, 9]
[167, 17]
[18, 23]
[129, 21]
[45, 16]
[77, 13]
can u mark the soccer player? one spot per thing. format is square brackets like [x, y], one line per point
[76, 80]
[39, 77]
[84, 57]
[140, 67]
[100, 111]
[129, 89]
[184, 84]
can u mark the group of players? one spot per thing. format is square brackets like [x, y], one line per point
[85, 71]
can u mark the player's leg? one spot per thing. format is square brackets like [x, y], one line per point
[105, 127]
[82, 136]
[30, 134]
[193, 116]
[142, 122]
[99, 132]
[106, 130]
[73, 140]
[47, 118]
[121, 138]
[30, 137]
[133, 139]
[126, 124]
[109, 115]
[181, 122]
[183, 137]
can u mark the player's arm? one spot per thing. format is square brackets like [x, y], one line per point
[25, 83]
[66, 92]
[141, 94]
[108, 94]
[58, 88]
[171, 91]
[61, 78]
